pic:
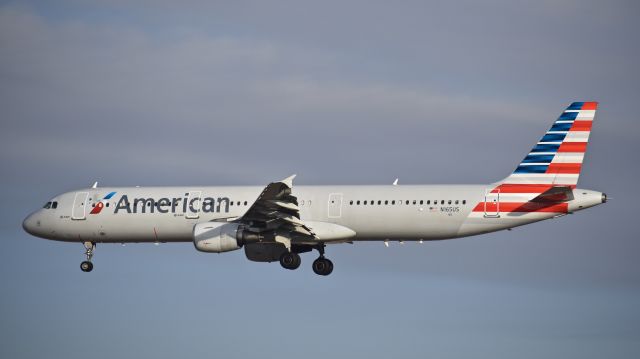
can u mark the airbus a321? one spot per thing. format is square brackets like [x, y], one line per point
[280, 221]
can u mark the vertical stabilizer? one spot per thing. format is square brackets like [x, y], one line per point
[556, 160]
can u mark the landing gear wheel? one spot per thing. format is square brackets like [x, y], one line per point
[290, 260]
[89, 247]
[86, 266]
[322, 266]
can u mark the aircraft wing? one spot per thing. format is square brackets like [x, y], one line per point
[276, 210]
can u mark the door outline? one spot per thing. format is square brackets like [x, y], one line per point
[192, 195]
[79, 205]
[334, 205]
[492, 203]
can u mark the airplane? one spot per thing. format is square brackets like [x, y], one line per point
[280, 221]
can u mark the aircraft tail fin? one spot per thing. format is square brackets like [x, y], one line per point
[556, 160]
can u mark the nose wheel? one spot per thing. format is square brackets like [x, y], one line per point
[87, 266]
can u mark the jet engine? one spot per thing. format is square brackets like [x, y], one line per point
[218, 237]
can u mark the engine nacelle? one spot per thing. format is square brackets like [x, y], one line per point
[217, 237]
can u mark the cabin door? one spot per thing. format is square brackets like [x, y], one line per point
[335, 205]
[492, 203]
[194, 203]
[79, 209]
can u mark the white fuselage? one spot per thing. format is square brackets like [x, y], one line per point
[169, 214]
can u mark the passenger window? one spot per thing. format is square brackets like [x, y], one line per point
[245, 202]
[421, 201]
[407, 202]
[386, 202]
[231, 203]
[393, 202]
[351, 202]
[365, 202]
[456, 201]
[107, 204]
[358, 202]
[379, 202]
[428, 201]
[449, 202]
[464, 201]
[442, 202]
[414, 201]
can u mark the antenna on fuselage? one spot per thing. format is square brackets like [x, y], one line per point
[95, 185]
[395, 183]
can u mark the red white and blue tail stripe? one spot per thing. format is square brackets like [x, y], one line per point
[556, 160]
[542, 184]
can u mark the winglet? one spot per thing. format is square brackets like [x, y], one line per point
[289, 181]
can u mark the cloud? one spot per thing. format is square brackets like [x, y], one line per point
[193, 98]
[356, 92]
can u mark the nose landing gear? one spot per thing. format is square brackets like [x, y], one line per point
[87, 266]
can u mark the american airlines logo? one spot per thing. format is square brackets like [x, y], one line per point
[172, 205]
[100, 205]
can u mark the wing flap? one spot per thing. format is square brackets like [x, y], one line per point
[276, 210]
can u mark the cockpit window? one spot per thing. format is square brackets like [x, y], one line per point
[47, 205]
[54, 205]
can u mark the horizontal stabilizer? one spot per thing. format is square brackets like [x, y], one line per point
[555, 194]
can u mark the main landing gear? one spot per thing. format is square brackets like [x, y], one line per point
[87, 266]
[290, 260]
[321, 266]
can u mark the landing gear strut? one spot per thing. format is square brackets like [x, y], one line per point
[290, 260]
[87, 266]
[322, 266]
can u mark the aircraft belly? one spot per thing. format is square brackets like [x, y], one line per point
[142, 228]
[409, 224]
[478, 224]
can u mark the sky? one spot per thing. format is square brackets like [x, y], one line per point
[338, 92]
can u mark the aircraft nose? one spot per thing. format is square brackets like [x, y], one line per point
[30, 224]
